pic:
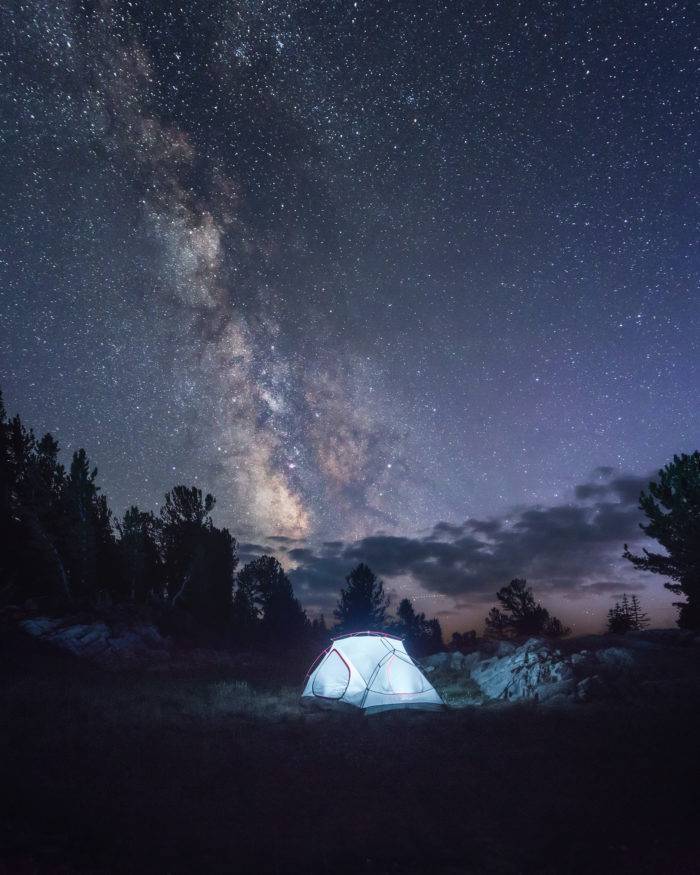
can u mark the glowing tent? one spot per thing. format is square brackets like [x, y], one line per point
[372, 671]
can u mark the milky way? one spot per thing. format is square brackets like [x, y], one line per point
[361, 270]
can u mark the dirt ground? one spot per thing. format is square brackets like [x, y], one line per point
[105, 772]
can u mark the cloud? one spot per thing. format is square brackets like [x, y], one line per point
[626, 488]
[571, 549]
[610, 587]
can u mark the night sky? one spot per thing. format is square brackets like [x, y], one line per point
[413, 283]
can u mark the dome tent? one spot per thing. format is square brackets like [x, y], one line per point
[371, 671]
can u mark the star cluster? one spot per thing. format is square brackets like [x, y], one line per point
[357, 268]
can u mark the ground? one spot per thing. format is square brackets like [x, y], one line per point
[199, 772]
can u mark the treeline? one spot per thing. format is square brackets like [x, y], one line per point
[63, 548]
[60, 543]
[63, 545]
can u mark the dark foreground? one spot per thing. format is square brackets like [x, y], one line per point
[114, 773]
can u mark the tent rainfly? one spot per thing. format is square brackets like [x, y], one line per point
[372, 671]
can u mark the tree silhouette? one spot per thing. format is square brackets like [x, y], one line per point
[619, 619]
[185, 517]
[672, 508]
[199, 560]
[84, 526]
[7, 525]
[264, 600]
[139, 556]
[640, 620]
[421, 637]
[520, 616]
[627, 616]
[208, 596]
[318, 632]
[463, 641]
[31, 483]
[362, 604]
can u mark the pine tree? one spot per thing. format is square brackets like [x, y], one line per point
[672, 508]
[32, 487]
[520, 616]
[244, 616]
[434, 642]
[139, 558]
[199, 560]
[619, 619]
[640, 620]
[41, 511]
[464, 642]
[318, 632]
[209, 595]
[265, 601]
[362, 604]
[627, 616]
[421, 636]
[80, 536]
[8, 556]
[185, 517]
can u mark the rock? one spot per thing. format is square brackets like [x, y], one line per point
[505, 648]
[436, 660]
[82, 639]
[636, 666]
[141, 643]
[616, 657]
[590, 689]
[556, 692]
[532, 671]
[457, 661]
[470, 661]
[560, 700]
[580, 658]
[39, 626]
[534, 644]
[151, 635]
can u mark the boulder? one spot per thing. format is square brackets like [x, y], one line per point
[471, 660]
[615, 657]
[590, 689]
[581, 658]
[532, 671]
[82, 639]
[39, 626]
[436, 660]
[456, 661]
[140, 643]
[505, 648]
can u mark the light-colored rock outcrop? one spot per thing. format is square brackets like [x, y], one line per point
[552, 673]
[138, 644]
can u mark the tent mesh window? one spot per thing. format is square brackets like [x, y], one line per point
[333, 681]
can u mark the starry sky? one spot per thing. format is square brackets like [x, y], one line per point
[413, 283]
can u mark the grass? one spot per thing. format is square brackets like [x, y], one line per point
[456, 688]
[202, 773]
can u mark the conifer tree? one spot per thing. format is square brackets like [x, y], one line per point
[362, 604]
[265, 600]
[199, 560]
[139, 558]
[627, 616]
[640, 620]
[520, 616]
[80, 535]
[421, 636]
[672, 508]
